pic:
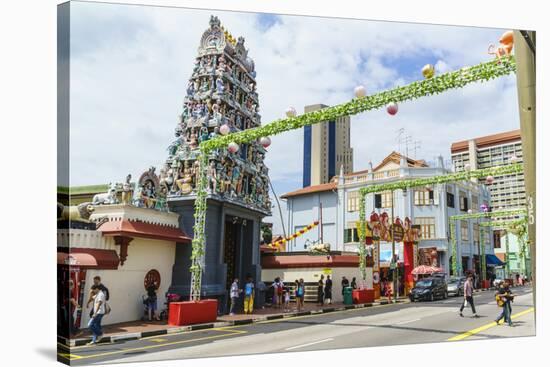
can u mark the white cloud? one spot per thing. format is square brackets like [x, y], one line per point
[130, 66]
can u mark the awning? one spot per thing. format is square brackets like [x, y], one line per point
[88, 258]
[492, 260]
[143, 230]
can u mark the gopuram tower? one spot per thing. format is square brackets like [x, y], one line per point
[220, 98]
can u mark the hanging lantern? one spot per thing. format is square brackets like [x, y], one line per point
[360, 91]
[290, 112]
[265, 141]
[428, 71]
[233, 147]
[225, 129]
[489, 180]
[484, 208]
[392, 108]
[514, 159]
[467, 166]
[470, 211]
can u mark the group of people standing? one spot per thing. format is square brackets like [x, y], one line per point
[249, 292]
[324, 289]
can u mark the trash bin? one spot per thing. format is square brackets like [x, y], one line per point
[348, 299]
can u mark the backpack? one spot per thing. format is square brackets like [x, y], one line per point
[107, 308]
[248, 289]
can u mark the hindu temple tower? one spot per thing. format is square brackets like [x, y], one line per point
[220, 98]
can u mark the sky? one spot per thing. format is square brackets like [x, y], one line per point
[129, 67]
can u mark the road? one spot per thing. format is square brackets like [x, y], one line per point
[396, 324]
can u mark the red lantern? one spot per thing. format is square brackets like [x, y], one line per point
[265, 141]
[392, 108]
[233, 147]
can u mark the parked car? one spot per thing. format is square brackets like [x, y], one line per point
[455, 286]
[429, 289]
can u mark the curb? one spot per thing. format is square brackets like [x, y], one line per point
[145, 334]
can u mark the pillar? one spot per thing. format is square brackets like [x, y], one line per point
[408, 259]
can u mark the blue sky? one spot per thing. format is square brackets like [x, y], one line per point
[130, 66]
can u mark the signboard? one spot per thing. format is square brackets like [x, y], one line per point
[327, 271]
[428, 256]
[398, 232]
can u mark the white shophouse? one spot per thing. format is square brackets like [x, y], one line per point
[130, 248]
[337, 203]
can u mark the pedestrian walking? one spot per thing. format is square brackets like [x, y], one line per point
[328, 290]
[234, 293]
[468, 296]
[517, 278]
[98, 312]
[354, 283]
[97, 283]
[249, 296]
[320, 291]
[73, 308]
[152, 289]
[388, 286]
[504, 298]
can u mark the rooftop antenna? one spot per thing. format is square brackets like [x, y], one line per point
[416, 146]
[400, 133]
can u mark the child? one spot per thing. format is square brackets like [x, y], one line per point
[287, 300]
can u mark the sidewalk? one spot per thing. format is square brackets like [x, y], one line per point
[141, 329]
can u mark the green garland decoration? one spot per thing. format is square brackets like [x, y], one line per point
[456, 265]
[199, 238]
[495, 214]
[452, 177]
[452, 80]
[482, 245]
[361, 232]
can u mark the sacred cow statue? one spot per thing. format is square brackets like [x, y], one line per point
[108, 197]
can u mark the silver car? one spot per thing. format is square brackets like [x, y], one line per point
[455, 286]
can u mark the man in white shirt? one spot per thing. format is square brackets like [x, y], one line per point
[98, 313]
[234, 294]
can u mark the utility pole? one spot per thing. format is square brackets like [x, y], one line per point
[525, 44]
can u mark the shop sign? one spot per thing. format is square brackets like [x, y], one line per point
[327, 271]
[398, 232]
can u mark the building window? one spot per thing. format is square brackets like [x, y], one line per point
[450, 200]
[464, 235]
[475, 203]
[383, 200]
[427, 227]
[353, 201]
[350, 233]
[463, 201]
[476, 233]
[496, 239]
[423, 197]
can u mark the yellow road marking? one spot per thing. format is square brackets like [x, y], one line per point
[487, 326]
[159, 340]
[157, 345]
[69, 356]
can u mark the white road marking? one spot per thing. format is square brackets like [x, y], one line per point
[407, 322]
[308, 344]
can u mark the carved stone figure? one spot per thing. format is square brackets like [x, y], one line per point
[127, 191]
[106, 198]
[186, 181]
[212, 177]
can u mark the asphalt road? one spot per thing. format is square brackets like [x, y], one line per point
[396, 324]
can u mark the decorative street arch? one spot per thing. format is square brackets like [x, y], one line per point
[430, 86]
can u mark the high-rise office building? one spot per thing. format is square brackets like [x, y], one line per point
[326, 149]
[507, 191]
